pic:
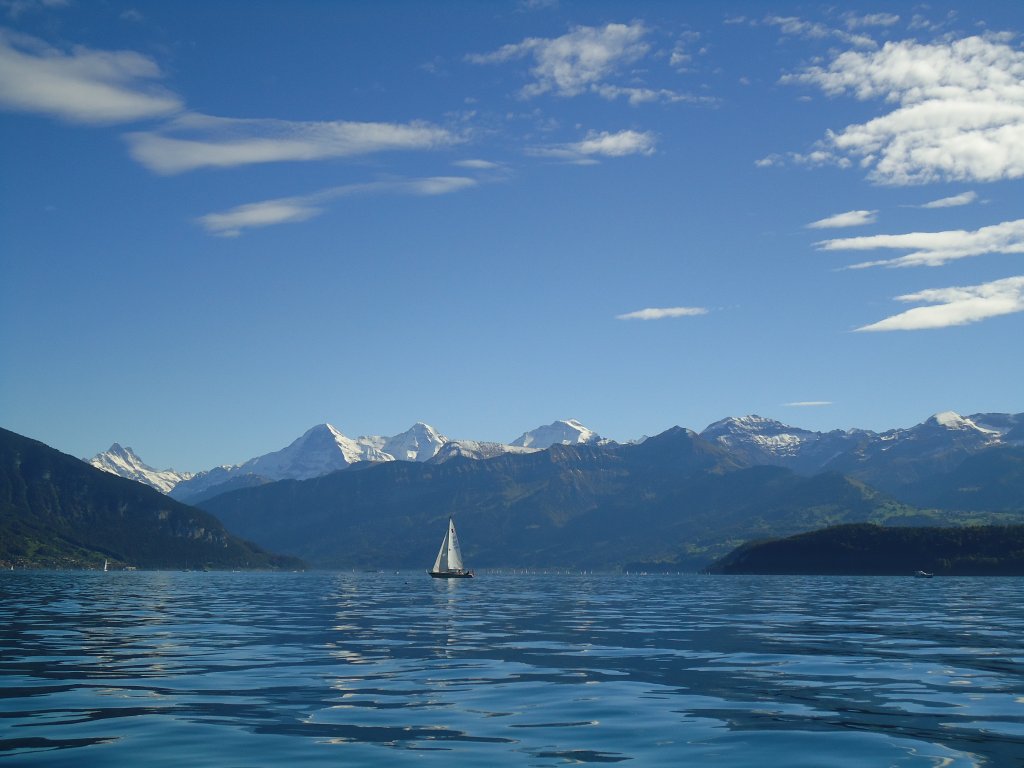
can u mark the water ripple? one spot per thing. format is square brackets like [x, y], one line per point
[395, 669]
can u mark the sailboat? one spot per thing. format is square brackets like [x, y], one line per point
[448, 564]
[106, 565]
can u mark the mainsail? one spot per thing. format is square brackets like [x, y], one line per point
[449, 557]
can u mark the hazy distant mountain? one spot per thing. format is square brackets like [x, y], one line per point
[124, 463]
[891, 460]
[887, 460]
[990, 480]
[57, 511]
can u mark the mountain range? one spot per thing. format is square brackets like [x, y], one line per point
[885, 460]
[678, 499]
[323, 449]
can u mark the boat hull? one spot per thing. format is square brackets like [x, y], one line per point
[451, 574]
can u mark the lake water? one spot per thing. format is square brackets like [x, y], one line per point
[345, 669]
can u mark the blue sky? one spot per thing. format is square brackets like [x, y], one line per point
[225, 222]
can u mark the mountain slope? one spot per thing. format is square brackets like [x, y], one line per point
[587, 506]
[57, 511]
[991, 480]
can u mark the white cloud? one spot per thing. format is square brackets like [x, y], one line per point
[645, 95]
[956, 306]
[602, 144]
[286, 210]
[848, 219]
[478, 165]
[793, 25]
[959, 113]
[577, 62]
[808, 404]
[83, 85]
[933, 249]
[656, 313]
[218, 142]
[853, 21]
[267, 213]
[965, 198]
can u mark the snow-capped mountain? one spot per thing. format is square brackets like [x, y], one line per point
[322, 449]
[474, 449]
[421, 442]
[569, 432]
[939, 441]
[759, 439]
[124, 463]
[885, 460]
[319, 451]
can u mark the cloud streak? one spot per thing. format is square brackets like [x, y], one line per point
[848, 219]
[661, 313]
[808, 404]
[955, 306]
[965, 198]
[81, 85]
[960, 113]
[289, 210]
[933, 249]
[597, 145]
[196, 141]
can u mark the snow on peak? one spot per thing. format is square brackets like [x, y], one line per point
[953, 420]
[565, 432]
[418, 443]
[124, 462]
[768, 435]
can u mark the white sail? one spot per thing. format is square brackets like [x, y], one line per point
[454, 553]
[441, 563]
[449, 557]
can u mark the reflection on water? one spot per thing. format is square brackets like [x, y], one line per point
[209, 669]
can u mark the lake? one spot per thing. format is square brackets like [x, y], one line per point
[363, 669]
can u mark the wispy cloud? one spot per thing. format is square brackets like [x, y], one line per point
[660, 313]
[965, 198]
[194, 141]
[960, 112]
[289, 210]
[933, 249]
[582, 61]
[956, 306]
[478, 165]
[794, 26]
[596, 145]
[848, 219]
[859, 21]
[81, 85]
[808, 404]
[16, 8]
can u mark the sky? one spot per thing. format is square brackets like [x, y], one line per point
[224, 222]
